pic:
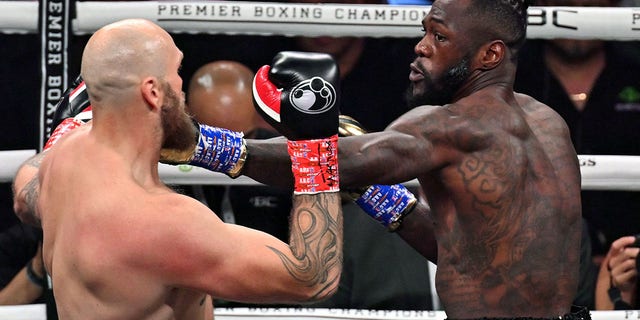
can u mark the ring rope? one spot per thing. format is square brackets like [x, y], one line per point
[290, 19]
[599, 172]
[358, 314]
[38, 312]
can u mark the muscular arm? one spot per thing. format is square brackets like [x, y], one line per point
[272, 154]
[26, 190]
[364, 160]
[236, 263]
[417, 231]
[313, 258]
[387, 157]
[400, 153]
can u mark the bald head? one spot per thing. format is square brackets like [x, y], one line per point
[220, 95]
[120, 54]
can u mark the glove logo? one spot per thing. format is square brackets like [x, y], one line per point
[313, 96]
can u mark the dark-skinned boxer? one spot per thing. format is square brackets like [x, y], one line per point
[498, 168]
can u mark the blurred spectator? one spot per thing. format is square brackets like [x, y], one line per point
[220, 92]
[617, 286]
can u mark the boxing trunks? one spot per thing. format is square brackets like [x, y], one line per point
[577, 313]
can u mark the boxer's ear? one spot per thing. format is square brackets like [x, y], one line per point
[490, 55]
[152, 92]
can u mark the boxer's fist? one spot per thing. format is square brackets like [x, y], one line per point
[387, 204]
[213, 148]
[299, 94]
[75, 101]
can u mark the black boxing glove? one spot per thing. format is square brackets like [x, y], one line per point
[387, 204]
[72, 111]
[75, 101]
[299, 94]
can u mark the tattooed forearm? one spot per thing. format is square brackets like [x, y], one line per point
[26, 190]
[35, 161]
[315, 242]
[30, 195]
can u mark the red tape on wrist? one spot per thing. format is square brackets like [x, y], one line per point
[314, 164]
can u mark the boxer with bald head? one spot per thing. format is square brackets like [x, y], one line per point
[118, 243]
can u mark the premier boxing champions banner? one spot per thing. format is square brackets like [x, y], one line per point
[289, 19]
[294, 19]
[54, 31]
[273, 18]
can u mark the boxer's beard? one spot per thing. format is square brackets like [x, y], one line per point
[178, 128]
[440, 91]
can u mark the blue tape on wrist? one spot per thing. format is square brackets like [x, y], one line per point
[218, 149]
[386, 204]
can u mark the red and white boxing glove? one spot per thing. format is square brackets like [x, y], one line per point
[74, 104]
[299, 95]
[72, 111]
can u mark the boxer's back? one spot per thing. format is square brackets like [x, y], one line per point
[96, 220]
[502, 210]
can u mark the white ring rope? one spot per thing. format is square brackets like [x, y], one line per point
[357, 314]
[599, 172]
[229, 17]
[38, 312]
[19, 16]
[24, 312]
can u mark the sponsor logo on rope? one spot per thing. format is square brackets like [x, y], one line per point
[587, 162]
[630, 100]
[243, 13]
[567, 19]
